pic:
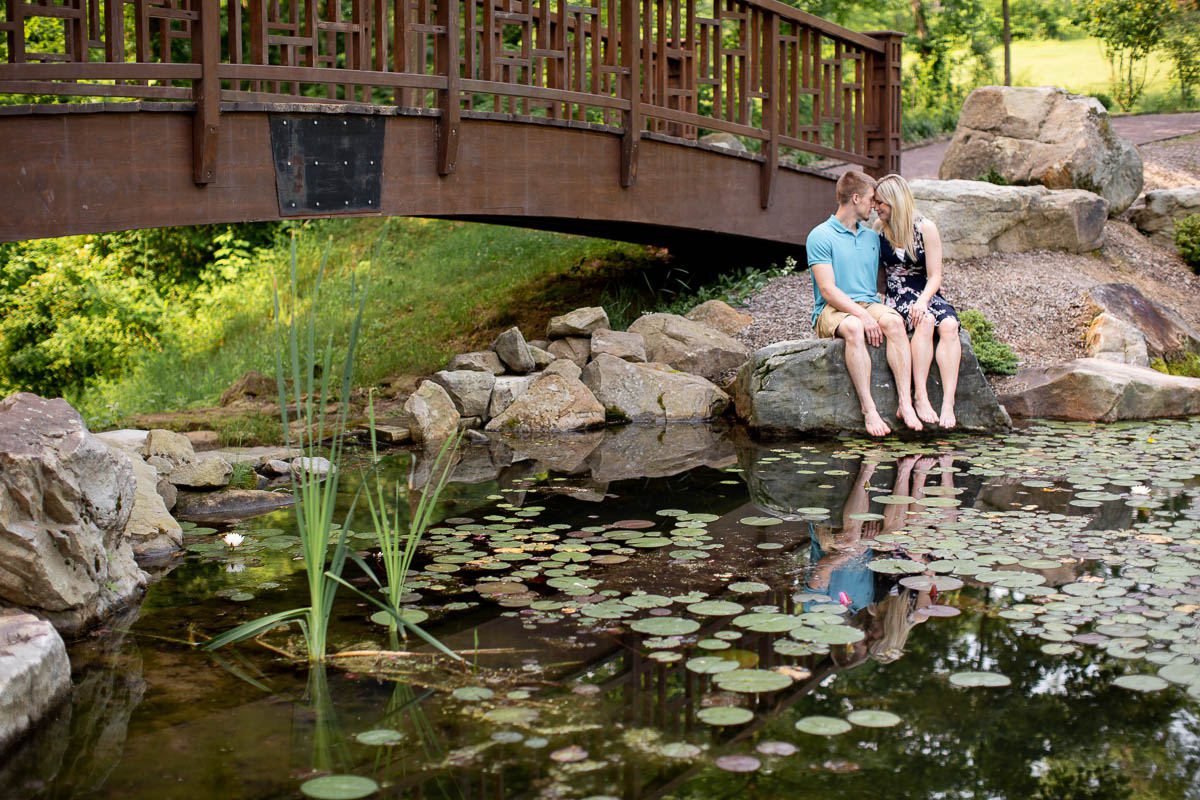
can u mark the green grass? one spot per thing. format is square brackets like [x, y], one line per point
[438, 288]
[1079, 65]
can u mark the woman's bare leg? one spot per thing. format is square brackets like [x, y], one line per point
[949, 353]
[922, 358]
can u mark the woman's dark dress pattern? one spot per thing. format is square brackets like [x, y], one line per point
[906, 279]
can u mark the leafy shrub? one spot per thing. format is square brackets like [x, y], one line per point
[994, 177]
[1187, 239]
[995, 358]
[1186, 366]
[1105, 100]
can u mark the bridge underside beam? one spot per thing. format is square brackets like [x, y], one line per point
[73, 173]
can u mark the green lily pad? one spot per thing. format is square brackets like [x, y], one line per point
[725, 715]
[715, 608]
[872, 718]
[711, 665]
[472, 693]
[665, 626]
[381, 736]
[752, 681]
[339, 787]
[760, 521]
[823, 726]
[974, 679]
[1141, 683]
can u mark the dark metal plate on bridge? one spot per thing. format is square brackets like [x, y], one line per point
[327, 163]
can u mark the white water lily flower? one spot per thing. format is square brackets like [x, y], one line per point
[233, 539]
[1139, 488]
[235, 566]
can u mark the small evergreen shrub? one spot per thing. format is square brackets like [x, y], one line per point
[995, 358]
[1187, 239]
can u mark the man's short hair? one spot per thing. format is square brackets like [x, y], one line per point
[852, 183]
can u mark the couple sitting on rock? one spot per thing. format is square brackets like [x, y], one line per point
[846, 255]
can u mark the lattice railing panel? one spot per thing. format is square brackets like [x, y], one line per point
[774, 76]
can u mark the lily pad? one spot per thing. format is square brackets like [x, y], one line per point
[823, 726]
[725, 715]
[665, 626]
[752, 681]
[872, 718]
[1141, 683]
[738, 763]
[974, 679]
[381, 736]
[339, 787]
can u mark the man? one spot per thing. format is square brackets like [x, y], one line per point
[843, 254]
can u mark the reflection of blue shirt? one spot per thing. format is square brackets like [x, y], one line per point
[854, 257]
[852, 577]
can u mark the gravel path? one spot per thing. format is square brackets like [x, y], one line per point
[1035, 300]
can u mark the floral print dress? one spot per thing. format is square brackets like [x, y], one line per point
[907, 278]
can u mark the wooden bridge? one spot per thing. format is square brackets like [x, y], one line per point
[588, 117]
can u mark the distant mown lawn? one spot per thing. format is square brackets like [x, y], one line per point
[1078, 65]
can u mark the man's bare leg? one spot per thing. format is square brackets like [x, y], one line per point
[949, 353]
[858, 364]
[922, 358]
[899, 358]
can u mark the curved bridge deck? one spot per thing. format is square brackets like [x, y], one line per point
[583, 118]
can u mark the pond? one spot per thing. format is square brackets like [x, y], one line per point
[686, 613]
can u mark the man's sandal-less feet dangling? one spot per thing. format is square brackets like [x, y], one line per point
[925, 410]
[910, 419]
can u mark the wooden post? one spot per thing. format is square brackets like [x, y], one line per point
[770, 108]
[631, 90]
[883, 131]
[448, 64]
[206, 50]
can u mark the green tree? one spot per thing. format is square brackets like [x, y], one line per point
[1129, 30]
[1181, 41]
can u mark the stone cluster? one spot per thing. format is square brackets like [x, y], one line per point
[583, 375]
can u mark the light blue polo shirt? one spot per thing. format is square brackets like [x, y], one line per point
[854, 256]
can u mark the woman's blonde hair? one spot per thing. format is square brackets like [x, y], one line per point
[896, 613]
[893, 190]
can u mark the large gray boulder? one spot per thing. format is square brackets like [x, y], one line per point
[469, 389]
[651, 392]
[34, 672]
[576, 349]
[165, 450]
[432, 416]
[1095, 390]
[552, 403]
[689, 346]
[152, 531]
[1155, 213]
[580, 322]
[513, 350]
[1114, 339]
[622, 344]
[65, 499]
[1167, 333]
[1044, 136]
[975, 218]
[803, 387]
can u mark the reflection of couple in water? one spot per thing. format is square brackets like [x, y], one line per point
[840, 558]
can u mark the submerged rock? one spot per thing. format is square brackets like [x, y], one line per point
[35, 674]
[65, 499]
[1095, 390]
[803, 387]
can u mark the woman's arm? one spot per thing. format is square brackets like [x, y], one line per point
[933, 269]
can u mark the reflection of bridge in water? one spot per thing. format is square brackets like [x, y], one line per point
[586, 118]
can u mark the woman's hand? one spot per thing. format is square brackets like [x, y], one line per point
[918, 310]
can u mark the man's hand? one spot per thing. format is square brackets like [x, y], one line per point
[871, 328]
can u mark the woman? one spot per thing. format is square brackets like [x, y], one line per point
[910, 252]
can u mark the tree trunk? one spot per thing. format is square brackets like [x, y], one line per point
[918, 12]
[1007, 45]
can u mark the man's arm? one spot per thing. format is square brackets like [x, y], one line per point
[823, 274]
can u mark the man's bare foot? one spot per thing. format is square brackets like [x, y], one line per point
[947, 419]
[924, 410]
[875, 424]
[910, 418]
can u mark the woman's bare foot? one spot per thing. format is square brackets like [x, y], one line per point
[910, 418]
[925, 410]
[875, 424]
[947, 419]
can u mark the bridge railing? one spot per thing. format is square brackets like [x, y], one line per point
[774, 76]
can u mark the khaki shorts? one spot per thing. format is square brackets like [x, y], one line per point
[830, 318]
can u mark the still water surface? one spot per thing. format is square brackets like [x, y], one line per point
[581, 573]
